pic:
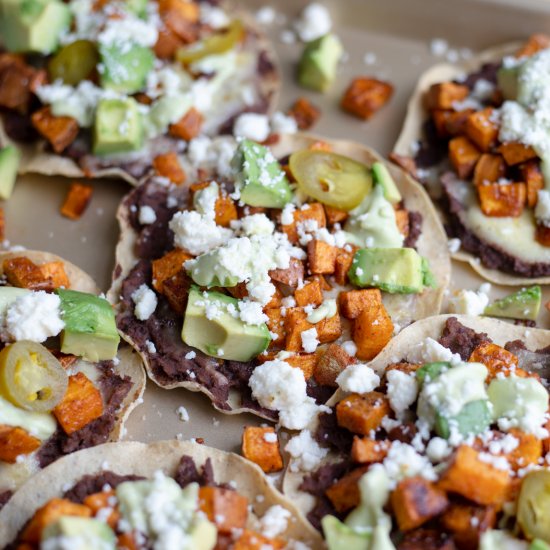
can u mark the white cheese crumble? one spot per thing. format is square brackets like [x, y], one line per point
[350, 347]
[270, 437]
[454, 245]
[430, 351]
[145, 301]
[403, 461]
[314, 22]
[190, 355]
[252, 313]
[252, 126]
[283, 124]
[255, 224]
[147, 215]
[402, 390]
[310, 340]
[358, 378]
[438, 449]
[266, 15]
[182, 413]
[213, 16]
[274, 521]
[469, 302]
[305, 451]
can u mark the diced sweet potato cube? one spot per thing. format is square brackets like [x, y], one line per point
[176, 290]
[276, 299]
[14, 442]
[181, 17]
[188, 10]
[426, 539]
[528, 451]
[408, 164]
[439, 117]
[416, 500]
[402, 221]
[495, 358]
[334, 215]
[321, 257]
[532, 176]
[15, 83]
[481, 129]
[66, 359]
[325, 285]
[251, 540]
[309, 294]
[276, 325]
[81, 404]
[49, 513]
[167, 44]
[368, 451]
[364, 96]
[515, 153]
[56, 272]
[535, 43]
[345, 494]
[189, 126]
[224, 507]
[331, 362]
[353, 302]
[305, 362]
[463, 155]
[167, 266]
[100, 501]
[312, 211]
[127, 541]
[372, 330]
[542, 235]
[500, 201]
[475, 479]
[342, 264]
[261, 446]
[77, 200]
[226, 211]
[295, 324]
[291, 276]
[362, 413]
[466, 522]
[24, 273]
[444, 94]
[450, 123]
[489, 169]
[304, 113]
[329, 329]
[60, 131]
[168, 166]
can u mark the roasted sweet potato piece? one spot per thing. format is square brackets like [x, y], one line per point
[189, 126]
[535, 43]
[532, 176]
[291, 276]
[181, 17]
[481, 130]
[304, 361]
[312, 211]
[463, 155]
[60, 131]
[251, 540]
[325, 285]
[362, 413]
[24, 273]
[225, 507]
[100, 501]
[329, 329]
[364, 96]
[402, 221]
[528, 451]
[495, 358]
[342, 264]
[444, 94]
[321, 257]
[368, 451]
[49, 513]
[372, 330]
[15, 83]
[331, 362]
[276, 325]
[167, 266]
[466, 522]
[475, 479]
[176, 290]
[276, 299]
[542, 235]
[167, 44]
[489, 169]
[515, 153]
[81, 404]
[226, 211]
[304, 113]
[500, 201]
[295, 324]
[168, 166]
[345, 494]
[76, 201]
[439, 117]
[127, 541]
[261, 446]
[334, 215]
[56, 272]
[450, 123]
[14, 442]
[416, 500]
[353, 302]
[309, 294]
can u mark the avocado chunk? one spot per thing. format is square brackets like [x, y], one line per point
[90, 328]
[138, 7]
[259, 176]
[319, 61]
[10, 156]
[473, 418]
[207, 270]
[523, 304]
[430, 371]
[33, 25]
[381, 176]
[507, 80]
[393, 270]
[341, 537]
[80, 533]
[118, 126]
[220, 332]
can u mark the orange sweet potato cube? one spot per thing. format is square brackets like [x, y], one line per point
[167, 44]
[321, 257]
[311, 211]
[335, 215]
[542, 235]
[224, 507]
[362, 413]
[60, 131]
[466, 522]
[475, 479]
[489, 169]
[167, 266]
[15, 83]
[402, 221]
[325, 285]
[225, 209]
[304, 113]
[463, 155]
[329, 329]
[353, 302]
[450, 123]
[56, 272]
[481, 130]
[49, 513]
[444, 94]
[168, 166]
[181, 17]
[276, 325]
[291, 276]
[515, 153]
[501, 201]
[407, 368]
[528, 451]
[295, 324]
[368, 451]
[24, 273]
[372, 330]
[440, 117]
[345, 494]
[81, 404]
[127, 541]
[251, 540]
[531, 174]
[364, 96]
[176, 291]
[100, 501]
[14, 442]
[261, 446]
[306, 362]
[309, 294]
[77, 200]
[331, 362]
[342, 264]
[189, 126]
[535, 43]
[495, 358]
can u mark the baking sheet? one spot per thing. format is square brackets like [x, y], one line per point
[398, 33]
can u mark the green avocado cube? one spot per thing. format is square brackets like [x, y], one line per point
[80, 533]
[10, 156]
[474, 418]
[319, 62]
[90, 328]
[220, 332]
[33, 25]
[523, 304]
[538, 544]
[393, 270]
[430, 371]
[507, 80]
[138, 7]
[381, 176]
[260, 177]
[339, 536]
[118, 126]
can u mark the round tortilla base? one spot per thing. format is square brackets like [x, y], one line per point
[144, 460]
